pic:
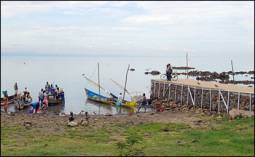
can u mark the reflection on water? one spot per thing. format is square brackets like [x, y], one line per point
[52, 108]
[92, 108]
[106, 109]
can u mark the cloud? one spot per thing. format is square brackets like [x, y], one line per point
[24, 8]
[174, 13]
[127, 27]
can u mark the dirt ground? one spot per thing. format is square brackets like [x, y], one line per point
[54, 122]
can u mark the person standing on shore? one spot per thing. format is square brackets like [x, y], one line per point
[119, 103]
[16, 88]
[45, 102]
[169, 71]
[5, 103]
[47, 86]
[40, 97]
[143, 103]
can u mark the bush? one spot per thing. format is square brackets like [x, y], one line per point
[131, 146]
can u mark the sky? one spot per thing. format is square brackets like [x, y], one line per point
[111, 28]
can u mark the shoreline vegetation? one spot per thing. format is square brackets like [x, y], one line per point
[166, 133]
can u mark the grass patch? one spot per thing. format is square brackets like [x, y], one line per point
[228, 138]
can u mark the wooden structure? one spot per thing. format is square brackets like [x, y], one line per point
[213, 96]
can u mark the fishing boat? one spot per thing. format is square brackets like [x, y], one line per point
[20, 105]
[98, 98]
[92, 96]
[55, 101]
[11, 99]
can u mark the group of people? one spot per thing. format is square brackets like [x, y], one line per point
[43, 99]
[51, 90]
[26, 97]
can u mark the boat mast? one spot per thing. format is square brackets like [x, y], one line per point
[125, 83]
[233, 73]
[98, 79]
[187, 64]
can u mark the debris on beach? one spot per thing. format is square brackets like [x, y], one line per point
[234, 113]
[72, 124]
[153, 72]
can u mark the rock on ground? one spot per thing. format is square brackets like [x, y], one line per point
[234, 113]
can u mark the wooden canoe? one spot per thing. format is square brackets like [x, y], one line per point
[92, 96]
[11, 99]
[54, 101]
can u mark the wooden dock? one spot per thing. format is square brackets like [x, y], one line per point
[210, 95]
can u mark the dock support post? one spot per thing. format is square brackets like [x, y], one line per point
[219, 101]
[164, 90]
[238, 103]
[191, 97]
[223, 100]
[169, 91]
[202, 98]
[210, 100]
[188, 95]
[181, 94]
[154, 94]
[228, 101]
[250, 103]
[194, 96]
[175, 92]
[158, 89]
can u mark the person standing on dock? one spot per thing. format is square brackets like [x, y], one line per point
[16, 88]
[169, 71]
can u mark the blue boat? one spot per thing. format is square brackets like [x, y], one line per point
[98, 98]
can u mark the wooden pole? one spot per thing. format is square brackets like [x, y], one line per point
[202, 99]
[210, 100]
[181, 94]
[223, 100]
[98, 79]
[188, 95]
[250, 103]
[228, 101]
[164, 90]
[175, 92]
[194, 96]
[238, 101]
[154, 94]
[169, 92]
[233, 71]
[158, 90]
[218, 101]
[125, 82]
[187, 64]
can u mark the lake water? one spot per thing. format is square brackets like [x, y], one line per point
[33, 72]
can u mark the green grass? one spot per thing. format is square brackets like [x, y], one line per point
[227, 138]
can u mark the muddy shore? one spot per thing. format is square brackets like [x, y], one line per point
[54, 122]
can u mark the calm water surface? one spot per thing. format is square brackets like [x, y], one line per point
[66, 72]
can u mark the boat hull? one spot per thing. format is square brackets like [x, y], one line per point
[92, 96]
[10, 99]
